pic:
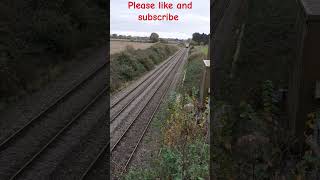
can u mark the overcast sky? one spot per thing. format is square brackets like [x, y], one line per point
[124, 21]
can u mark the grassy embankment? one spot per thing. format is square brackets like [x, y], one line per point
[182, 148]
[250, 140]
[38, 37]
[130, 64]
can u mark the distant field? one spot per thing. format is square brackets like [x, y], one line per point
[117, 46]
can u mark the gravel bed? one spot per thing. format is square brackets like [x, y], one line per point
[121, 153]
[20, 150]
[66, 147]
[19, 113]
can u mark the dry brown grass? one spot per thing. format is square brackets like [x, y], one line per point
[117, 46]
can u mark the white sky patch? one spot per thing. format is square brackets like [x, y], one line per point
[125, 21]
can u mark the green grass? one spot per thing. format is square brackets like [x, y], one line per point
[204, 50]
[194, 69]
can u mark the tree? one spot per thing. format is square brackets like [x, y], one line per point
[200, 38]
[154, 37]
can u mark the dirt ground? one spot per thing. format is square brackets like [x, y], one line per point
[117, 46]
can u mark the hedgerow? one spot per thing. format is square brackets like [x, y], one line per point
[131, 64]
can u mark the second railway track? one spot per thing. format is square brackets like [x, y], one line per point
[22, 147]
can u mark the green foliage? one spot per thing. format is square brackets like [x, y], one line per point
[223, 164]
[36, 35]
[267, 96]
[131, 64]
[170, 164]
[184, 153]
[200, 39]
[250, 142]
[198, 160]
[140, 174]
[309, 163]
[154, 37]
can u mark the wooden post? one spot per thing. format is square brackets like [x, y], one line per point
[205, 82]
[305, 68]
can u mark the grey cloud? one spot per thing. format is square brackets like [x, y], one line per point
[125, 21]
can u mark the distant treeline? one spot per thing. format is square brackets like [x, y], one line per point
[116, 36]
[38, 34]
[142, 39]
[200, 39]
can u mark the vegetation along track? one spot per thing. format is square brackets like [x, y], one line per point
[22, 148]
[126, 145]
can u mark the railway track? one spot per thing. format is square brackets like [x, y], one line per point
[124, 148]
[126, 99]
[22, 148]
[134, 100]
